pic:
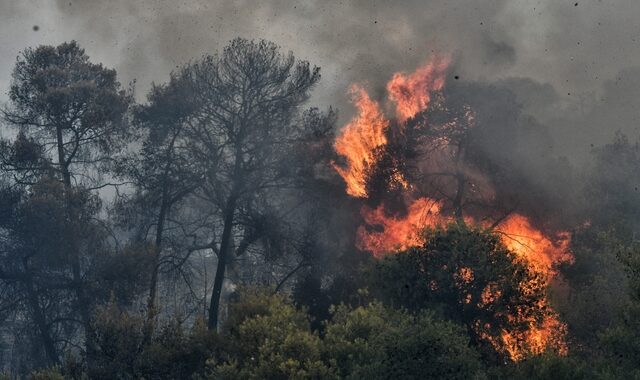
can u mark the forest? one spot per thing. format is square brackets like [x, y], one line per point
[221, 226]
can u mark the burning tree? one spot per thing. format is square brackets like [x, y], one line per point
[470, 276]
[425, 169]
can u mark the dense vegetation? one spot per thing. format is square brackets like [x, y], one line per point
[203, 234]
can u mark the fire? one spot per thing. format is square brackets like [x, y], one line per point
[533, 246]
[367, 131]
[536, 339]
[361, 144]
[490, 294]
[397, 233]
[359, 140]
[412, 92]
[539, 252]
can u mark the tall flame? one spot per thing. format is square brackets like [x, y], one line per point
[360, 145]
[412, 92]
[358, 142]
[530, 244]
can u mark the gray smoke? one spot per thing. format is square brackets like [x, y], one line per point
[574, 65]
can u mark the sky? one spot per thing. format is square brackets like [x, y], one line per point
[574, 65]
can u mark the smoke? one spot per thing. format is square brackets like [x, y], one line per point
[572, 65]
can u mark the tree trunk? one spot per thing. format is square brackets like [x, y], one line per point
[461, 179]
[41, 323]
[78, 286]
[157, 249]
[153, 286]
[62, 160]
[225, 244]
[457, 200]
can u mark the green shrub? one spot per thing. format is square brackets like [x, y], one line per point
[376, 342]
[268, 338]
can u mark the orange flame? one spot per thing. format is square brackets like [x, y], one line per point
[518, 235]
[382, 234]
[530, 244]
[397, 233]
[358, 142]
[412, 92]
[539, 252]
[536, 339]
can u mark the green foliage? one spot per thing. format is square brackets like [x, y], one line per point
[179, 354]
[465, 274]
[544, 367]
[58, 91]
[172, 354]
[268, 338]
[376, 342]
[621, 342]
[597, 290]
[119, 341]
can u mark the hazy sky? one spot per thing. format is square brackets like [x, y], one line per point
[588, 51]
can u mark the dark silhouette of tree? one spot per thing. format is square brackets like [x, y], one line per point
[448, 152]
[34, 262]
[73, 111]
[73, 108]
[245, 126]
[163, 172]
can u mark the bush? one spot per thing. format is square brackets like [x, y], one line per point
[173, 353]
[466, 274]
[544, 367]
[376, 342]
[268, 338]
